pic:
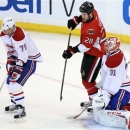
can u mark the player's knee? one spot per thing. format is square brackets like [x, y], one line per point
[91, 89]
[15, 86]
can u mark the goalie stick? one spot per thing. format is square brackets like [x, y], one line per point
[76, 116]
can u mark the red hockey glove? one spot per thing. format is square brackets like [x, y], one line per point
[11, 62]
[17, 71]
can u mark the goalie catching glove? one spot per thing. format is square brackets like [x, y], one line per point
[102, 99]
[17, 71]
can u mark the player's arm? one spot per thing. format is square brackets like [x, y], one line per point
[4, 38]
[112, 84]
[72, 23]
[85, 45]
[114, 79]
[10, 53]
[20, 47]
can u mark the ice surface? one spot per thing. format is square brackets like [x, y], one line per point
[42, 91]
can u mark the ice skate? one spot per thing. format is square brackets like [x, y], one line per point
[21, 114]
[12, 108]
[86, 104]
[90, 109]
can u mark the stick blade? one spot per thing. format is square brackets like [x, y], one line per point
[61, 98]
[72, 117]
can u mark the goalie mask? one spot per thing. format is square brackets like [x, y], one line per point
[112, 44]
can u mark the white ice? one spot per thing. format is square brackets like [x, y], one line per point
[42, 91]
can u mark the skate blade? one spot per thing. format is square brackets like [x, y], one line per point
[20, 119]
[85, 106]
[15, 111]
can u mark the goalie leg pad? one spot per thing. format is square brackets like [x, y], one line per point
[110, 118]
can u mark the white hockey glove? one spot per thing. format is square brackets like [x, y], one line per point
[102, 99]
[99, 84]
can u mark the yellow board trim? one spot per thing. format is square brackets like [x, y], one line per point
[63, 30]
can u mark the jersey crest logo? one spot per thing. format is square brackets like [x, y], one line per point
[90, 31]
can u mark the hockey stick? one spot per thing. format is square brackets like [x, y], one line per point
[65, 67]
[2, 84]
[76, 116]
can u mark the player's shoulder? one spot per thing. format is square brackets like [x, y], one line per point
[115, 59]
[96, 17]
[18, 34]
[2, 34]
[95, 13]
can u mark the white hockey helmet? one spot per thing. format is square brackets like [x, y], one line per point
[7, 23]
[112, 44]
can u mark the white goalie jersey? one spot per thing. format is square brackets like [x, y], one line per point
[114, 73]
[21, 45]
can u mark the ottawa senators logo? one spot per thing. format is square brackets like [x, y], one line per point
[90, 31]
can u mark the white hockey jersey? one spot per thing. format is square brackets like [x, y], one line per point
[21, 45]
[114, 72]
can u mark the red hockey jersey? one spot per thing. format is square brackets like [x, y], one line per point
[93, 35]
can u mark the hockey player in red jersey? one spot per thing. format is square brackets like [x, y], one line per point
[91, 44]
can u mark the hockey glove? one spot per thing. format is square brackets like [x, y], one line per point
[70, 51]
[17, 71]
[105, 97]
[11, 62]
[102, 99]
[100, 84]
[72, 23]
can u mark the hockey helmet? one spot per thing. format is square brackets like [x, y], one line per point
[7, 23]
[112, 43]
[86, 7]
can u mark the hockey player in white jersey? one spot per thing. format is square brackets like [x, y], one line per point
[22, 57]
[114, 94]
